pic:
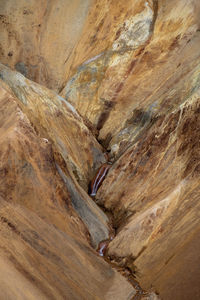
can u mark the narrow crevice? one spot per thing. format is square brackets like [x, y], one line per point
[125, 266]
[155, 10]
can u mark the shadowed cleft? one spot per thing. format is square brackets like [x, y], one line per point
[10, 225]
[108, 105]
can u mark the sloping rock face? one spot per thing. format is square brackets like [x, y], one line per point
[140, 59]
[39, 261]
[45, 250]
[58, 121]
[153, 190]
[94, 219]
[37, 37]
[28, 173]
[128, 78]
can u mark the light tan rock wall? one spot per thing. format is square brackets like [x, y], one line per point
[39, 261]
[140, 59]
[153, 190]
[45, 250]
[57, 120]
[37, 37]
[131, 70]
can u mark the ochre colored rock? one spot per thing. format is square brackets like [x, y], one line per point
[38, 261]
[94, 219]
[128, 73]
[119, 65]
[37, 37]
[28, 171]
[135, 62]
[57, 120]
[92, 216]
[45, 250]
[153, 190]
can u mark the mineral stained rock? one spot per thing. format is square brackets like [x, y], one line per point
[38, 261]
[127, 75]
[37, 37]
[153, 191]
[138, 60]
[57, 120]
[45, 250]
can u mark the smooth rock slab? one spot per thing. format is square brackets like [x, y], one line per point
[37, 38]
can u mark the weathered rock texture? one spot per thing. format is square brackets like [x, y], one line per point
[28, 171]
[139, 60]
[38, 261]
[92, 216]
[128, 76]
[37, 37]
[57, 120]
[153, 190]
[45, 250]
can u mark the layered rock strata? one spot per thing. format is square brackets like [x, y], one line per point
[138, 60]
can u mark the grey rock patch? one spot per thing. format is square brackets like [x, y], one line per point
[92, 216]
[22, 68]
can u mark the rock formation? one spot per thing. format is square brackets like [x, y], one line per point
[84, 83]
[46, 250]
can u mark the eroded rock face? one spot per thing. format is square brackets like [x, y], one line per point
[119, 31]
[57, 120]
[130, 74]
[93, 217]
[31, 176]
[37, 37]
[41, 262]
[139, 60]
[45, 250]
[153, 190]
[28, 170]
